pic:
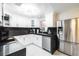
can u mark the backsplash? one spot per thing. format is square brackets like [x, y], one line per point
[17, 31]
[52, 30]
[14, 31]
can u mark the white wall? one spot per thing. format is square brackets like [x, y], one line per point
[72, 13]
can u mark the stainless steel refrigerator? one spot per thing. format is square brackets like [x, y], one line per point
[68, 33]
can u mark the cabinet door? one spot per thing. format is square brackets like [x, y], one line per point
[37, 23]
[39, 41]
[0, 14]
[13, 47]
[29, 39]
[6, 49]
[33, 39]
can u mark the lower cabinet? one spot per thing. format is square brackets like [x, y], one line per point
[27, 40]
[35, 39]
[10, 48]
[16, 46]
[4, 50]
[31, 38]
[38, 40]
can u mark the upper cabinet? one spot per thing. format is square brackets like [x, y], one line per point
[35, 22]
[4, 17]
[0, 14]
[16, 19]
[51, 19]
[11, 17]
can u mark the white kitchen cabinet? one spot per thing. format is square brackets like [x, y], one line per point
[32, 36]
[16, 46]
[24, 39]
[37, 40]
[0, 14]
[37, 23]
[29, 39]
[11, 47]
[5, 49]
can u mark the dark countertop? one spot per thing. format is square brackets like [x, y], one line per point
[48, 35]
[5, 42]
[43, 34]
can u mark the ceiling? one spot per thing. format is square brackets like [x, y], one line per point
[58, 7]
[40, 9]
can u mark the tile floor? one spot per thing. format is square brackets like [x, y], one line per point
[57, 53]
[33, 50]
